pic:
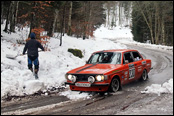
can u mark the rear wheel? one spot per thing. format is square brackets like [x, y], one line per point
[144, 76]
[115, 85]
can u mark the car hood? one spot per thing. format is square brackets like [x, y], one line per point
[94, 69]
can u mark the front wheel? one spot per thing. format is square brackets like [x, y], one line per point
[115, 85]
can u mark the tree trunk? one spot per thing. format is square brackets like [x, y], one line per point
[69, 18]
[7, 16]
[89, 19]
[149, 24]
[108, 16]
[64, 19]
[115, 14]
[114, 17]
[2, 11]
[151, 28]
[55, 20]
[12, 17]
[85, 20]
[32, 20]
[156, 24]
[62, 25]
[119, 13]
[16, 14]
[163, 31]
[53, 24]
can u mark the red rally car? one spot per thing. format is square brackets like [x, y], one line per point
[108, 70]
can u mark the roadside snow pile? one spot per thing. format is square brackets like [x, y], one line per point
[74, 95]
[146, 45]
[149, 45]
[167, 87]
[33, 86]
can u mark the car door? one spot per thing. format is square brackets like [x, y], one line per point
[129, 63]
[138, 64]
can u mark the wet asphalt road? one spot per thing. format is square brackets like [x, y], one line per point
[109, 104]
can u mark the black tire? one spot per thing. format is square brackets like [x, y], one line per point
[115, 85]
[101, 93]
[144, 76]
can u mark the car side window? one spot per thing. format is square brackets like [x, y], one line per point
[118, 61]
[136, 56]
[127, 57]
[94, 58]
[116, 58]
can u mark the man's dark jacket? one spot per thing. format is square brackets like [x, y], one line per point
[32, 46]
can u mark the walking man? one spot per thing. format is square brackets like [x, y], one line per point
[32, 51]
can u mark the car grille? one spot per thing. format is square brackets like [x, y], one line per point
[82, 77]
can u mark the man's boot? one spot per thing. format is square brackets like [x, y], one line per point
[31, 69]
[36, 71]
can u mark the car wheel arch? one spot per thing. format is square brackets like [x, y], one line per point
[115, 76]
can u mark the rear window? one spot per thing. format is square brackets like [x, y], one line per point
[136, 56]
[128, 57]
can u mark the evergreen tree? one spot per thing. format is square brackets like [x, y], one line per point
[156, 19]
[139, 28]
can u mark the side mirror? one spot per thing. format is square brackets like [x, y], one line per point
[126, 61]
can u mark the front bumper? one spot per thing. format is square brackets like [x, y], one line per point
[104, 84]
[97, 87]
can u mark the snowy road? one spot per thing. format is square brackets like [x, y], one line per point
[128, 101]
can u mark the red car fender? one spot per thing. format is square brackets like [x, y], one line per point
[116, 75]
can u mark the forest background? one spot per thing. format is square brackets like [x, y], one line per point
[149, 20]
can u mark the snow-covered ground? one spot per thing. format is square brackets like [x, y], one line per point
[17, 80]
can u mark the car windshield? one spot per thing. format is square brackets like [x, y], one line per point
[105, 58]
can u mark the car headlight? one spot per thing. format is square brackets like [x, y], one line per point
[91, 79]
[100, 77]
[71, 78]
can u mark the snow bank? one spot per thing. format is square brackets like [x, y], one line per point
[74, 95]
[148, 45]
[167, 87]
[33, 86]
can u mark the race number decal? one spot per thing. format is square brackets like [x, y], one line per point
[144, 62]
[131, 71]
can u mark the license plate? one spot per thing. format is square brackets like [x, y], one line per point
[83, 84]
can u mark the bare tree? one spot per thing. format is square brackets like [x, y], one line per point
[69, 18]
[2, 11]
[148, 18]
[8, 16]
